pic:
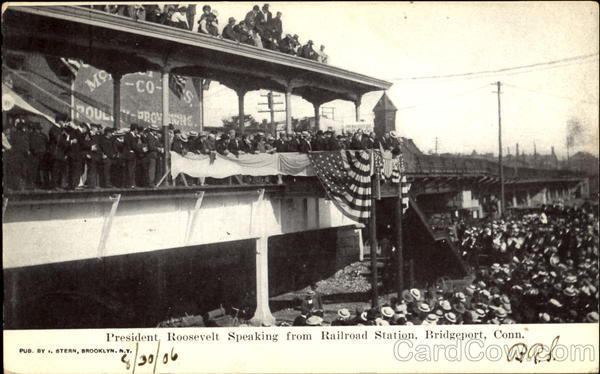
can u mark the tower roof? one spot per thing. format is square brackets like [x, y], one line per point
[384, 104]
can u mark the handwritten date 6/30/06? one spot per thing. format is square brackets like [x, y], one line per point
[148, 358]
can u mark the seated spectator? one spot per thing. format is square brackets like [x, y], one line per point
[179, 18]
[289, 44]
[243, 33]
[308, 52]
[155, 13]
[212, 23]
[256, 39]
[322, 56]
[229, 32]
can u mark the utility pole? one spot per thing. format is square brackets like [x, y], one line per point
[500, 165]
[436, 145]
[271, 109]
[328, 112]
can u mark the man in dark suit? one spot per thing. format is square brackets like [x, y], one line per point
[280, 143]
[318, 143]
[19, 156]
[152, 155]
[251, 16]
[132, 146]
[234, 146]
[276, 27]
[304, 146]
[57, 145]
[301, 319]
[108, 155]
[93, 156]
[75, 154]
[38, 145]
[229, 31]
[308, 52]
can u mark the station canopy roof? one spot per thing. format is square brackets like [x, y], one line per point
[122, 45]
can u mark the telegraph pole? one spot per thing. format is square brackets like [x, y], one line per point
[271, 109]
[436, 145]
[500, 164]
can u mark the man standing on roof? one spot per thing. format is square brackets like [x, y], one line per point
[276, 27]
[251, 17]
[190, 15]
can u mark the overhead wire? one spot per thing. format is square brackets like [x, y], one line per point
[543, 92]
[514, 69]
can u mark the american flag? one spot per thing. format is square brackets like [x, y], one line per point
[346, 176]
[177, 84]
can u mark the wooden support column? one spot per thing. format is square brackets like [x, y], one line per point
[200, 91]
[357, 103]
[399, 244]
[262, 315]
[4, 205]
[165, 116]
[288, 109]
[373, 241]
[240, 94]
[317, 106]
[116, 78]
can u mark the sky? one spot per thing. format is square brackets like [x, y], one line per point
[395, 41]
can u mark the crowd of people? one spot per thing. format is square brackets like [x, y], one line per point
[258, 28]
[77, 155]
[547, 273]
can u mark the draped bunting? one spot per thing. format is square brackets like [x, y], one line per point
[345, 175]
[262, 164]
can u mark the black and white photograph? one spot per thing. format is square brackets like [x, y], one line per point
[395, 170]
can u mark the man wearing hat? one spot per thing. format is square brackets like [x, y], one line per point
[289, 44]
[304, 145]
[92, 154]
[229, 31]
[108, 155]
[179, 143]
[343, 318]
[387, 313]
[314, 321]
[132, 146]
[276, 27]
[301, 319]
[75, 153]
[151, 155]
[57, 144]
[308, 52]
[250, 18]
[40, 167]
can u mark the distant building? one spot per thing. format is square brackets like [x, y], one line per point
[385, 115]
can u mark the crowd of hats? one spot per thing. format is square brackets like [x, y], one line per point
[551, 276]
[298, 141]
[258, 28]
